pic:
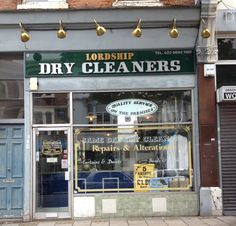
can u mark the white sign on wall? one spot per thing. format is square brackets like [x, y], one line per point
[226, 94]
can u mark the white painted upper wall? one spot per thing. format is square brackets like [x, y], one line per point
[227, 4]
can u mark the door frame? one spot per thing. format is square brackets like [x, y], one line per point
[56, 214]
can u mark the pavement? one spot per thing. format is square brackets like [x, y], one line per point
[149, 221]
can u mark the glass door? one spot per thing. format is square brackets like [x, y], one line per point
[52, 173]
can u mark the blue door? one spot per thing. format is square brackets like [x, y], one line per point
[11, 170]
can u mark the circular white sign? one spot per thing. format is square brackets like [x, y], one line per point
[131, 107]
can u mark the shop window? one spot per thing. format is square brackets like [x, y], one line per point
[11, 87]
[91, 108]
[143, 143]
[50, 108]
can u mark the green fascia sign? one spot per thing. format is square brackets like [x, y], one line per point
[109, 63]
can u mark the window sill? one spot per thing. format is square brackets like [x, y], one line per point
[130, 3]
[43, 5]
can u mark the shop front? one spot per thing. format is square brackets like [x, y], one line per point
[226, 87]
[11, 135]
[113, 133]
[101, 126]
[226, 82]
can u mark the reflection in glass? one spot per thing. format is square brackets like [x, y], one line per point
[11, 66]
[51, 164]
[50, 108]
[11, 89]
[227, 49]
[11, 99]
[11, 86]
[226, 75]
[173, 106]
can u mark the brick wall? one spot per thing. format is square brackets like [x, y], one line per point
[108, 3]
[78, 4]
[9, 4]
[178, 2]
[75, 4]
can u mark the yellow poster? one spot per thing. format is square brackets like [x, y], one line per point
[142, 175]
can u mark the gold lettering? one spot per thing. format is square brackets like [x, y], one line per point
[100, 56]
[119, 56]
[130, 56]
[140, 147]
[113, 56]
[94, 56]
[87, 57]
[108, 56]
[126, 148]
[102, 149]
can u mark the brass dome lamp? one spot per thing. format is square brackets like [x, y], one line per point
[137, 32]
[205, 32]
[25, 37]
[100, 30]
[61, 33]
[174, 33]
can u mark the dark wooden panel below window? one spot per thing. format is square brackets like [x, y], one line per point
[209, 156]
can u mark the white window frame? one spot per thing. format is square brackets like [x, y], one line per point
[136, 3]
[43, 4]
[140, 3]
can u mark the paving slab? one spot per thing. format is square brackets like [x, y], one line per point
[214, 221]
[175, 222]
[9, 224]
[46, 223]
[193, 221]
[64, 223]
[137, 222]
[119, 222]
[156, 222]
[122, 223]
[32, 223]
[82, 223]
[231, 220]
[100, 223]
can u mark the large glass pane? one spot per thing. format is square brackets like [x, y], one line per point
[11, 66]
[50, 108]
[51, 165]
[11, 99]
[132, 141]
[138, 158]
[226, 75]
[11, 86]
[227, 49]
[118, 107]
[11, 89]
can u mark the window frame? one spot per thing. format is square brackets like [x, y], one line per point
[11, 57]
[43, 4]
[112, 127]
[228, 62]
